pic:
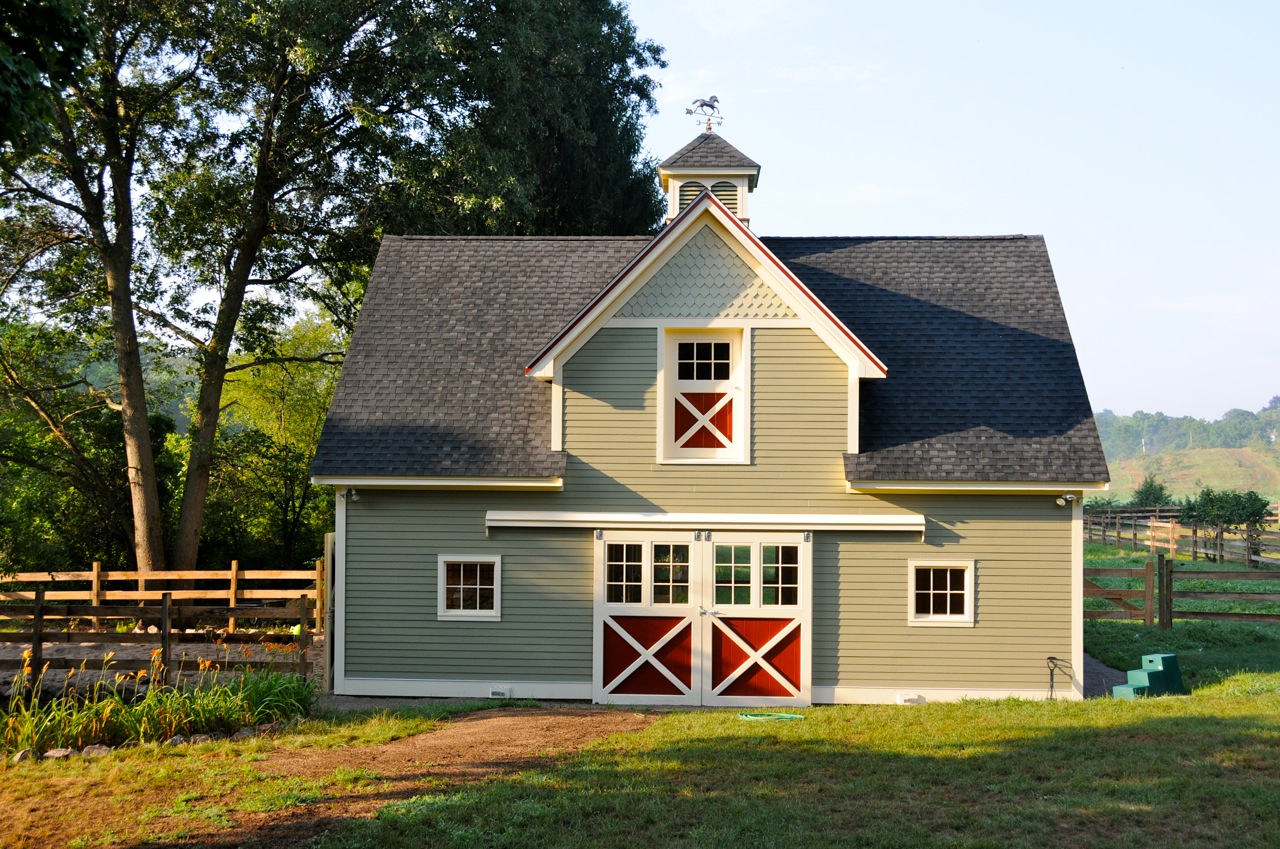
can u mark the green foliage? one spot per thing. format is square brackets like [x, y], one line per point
[42, 44]
[1151, 493]
[1229, 508]
[1150, 434]
[104, 712]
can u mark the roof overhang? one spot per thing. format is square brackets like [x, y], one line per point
[908, 522]
[752, 175]
[789, 287]
[973, 487]
[445, 482]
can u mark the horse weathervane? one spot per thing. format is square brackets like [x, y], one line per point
[708, 109]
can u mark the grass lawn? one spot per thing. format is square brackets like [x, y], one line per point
[1196, 771]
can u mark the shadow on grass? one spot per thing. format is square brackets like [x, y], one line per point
[972, 775]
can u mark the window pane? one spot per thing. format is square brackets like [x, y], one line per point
[633, 553]
[680, 553]
[681, 594]
[633, 573]
[662, 554]
[486, 574]
[613, 594]
[790, 595]
[684, 351]
[742, 554]
[770, 574]
[791, 555]
[485, 596]
[922, 579]
[720, 350]
[724, 554]
[742, 595]
[685, 371]
[453, 599]
[661, 574]
[661, 595]
[791, 575]
[703, 371]
[742, 574]
[469, 598]
[680, 575]
[768, 595]
[721, 371]
[723, 594]
[940, 603]
[453, 574]
[633, 593]
[703, 351]
[723, 573]
[768, 555]
[615, 573]
[957, 580]
[957, 604]
[922, 603]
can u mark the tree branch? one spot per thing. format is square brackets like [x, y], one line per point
[330, 358]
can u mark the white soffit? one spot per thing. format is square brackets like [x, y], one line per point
[910, 522]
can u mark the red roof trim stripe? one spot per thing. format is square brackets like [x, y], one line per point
[688, 211]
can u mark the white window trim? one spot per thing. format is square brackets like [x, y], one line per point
[739, 453]
[930, 620]
[469, 615]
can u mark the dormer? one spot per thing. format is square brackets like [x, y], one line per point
[709, 163]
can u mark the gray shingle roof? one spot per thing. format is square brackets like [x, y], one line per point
[434, 382]
[983, 380]
[708, 150]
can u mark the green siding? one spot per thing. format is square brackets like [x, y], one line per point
[1021, 543]
[1022, 546]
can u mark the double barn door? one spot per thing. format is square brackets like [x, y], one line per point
[702, 617]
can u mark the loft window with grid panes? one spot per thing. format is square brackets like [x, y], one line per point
[705, 417]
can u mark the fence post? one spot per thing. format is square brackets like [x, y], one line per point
[304, 637]
[37, 638]
[1164, 572]
[164, 636]
[1195, 541]
[95, 592]
[233, 590]
[1133, 541]
[1250, 534]
[320, 595]
[1149, 597]
[1220, 546]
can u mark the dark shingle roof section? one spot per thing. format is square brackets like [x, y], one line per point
[708, 151]
[434, 383]
[983, 380]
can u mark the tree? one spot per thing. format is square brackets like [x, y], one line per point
[42, 45]
[1151, 493]
[222, 159]
[1227, 508]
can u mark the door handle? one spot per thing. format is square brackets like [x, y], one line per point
[702, 611]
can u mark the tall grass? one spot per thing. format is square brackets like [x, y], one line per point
[109, 713]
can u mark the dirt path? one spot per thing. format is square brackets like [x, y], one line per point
[470, 748]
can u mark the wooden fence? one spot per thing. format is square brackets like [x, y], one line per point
[229, 586]
[39, 613]
[292, 595]
[1159, 593]
[1147, 529]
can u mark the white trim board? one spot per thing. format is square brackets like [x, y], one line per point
[1030, 487]
[905, 694]
[910, 522]
[458, 688]
[460, 482]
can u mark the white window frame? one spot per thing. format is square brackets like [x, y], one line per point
[469, 615]
[968, 619]
[739, 339]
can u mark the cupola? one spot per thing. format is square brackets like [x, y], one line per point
[709, 163]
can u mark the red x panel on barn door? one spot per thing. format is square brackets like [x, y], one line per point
[704, 420]
[648, 655]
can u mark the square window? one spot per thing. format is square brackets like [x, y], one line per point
[780, 584]
[469, 587]
[671, 573]
[624, 572]
[941, 593]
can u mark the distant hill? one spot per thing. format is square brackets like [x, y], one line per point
[1187, 472]
[1238, 451]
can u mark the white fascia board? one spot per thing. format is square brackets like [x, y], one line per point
[388, 482]
[910, 522]
[1031, 487]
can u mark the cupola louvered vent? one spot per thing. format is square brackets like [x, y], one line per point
[727, 194]
[689, 191]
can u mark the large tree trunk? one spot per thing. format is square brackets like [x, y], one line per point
[143, 492]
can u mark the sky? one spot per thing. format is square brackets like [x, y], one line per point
[1141, 139]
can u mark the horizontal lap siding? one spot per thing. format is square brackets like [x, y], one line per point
[799, 423]
[393, 540]
[1022, 546]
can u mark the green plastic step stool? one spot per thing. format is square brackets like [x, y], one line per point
[1159, 676]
